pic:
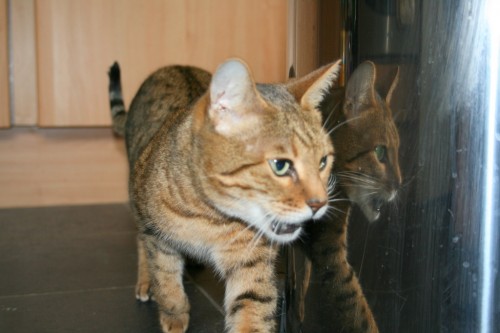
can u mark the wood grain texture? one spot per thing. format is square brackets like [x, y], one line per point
[306, 37]
[24, 73]
[4, 67]
[46, 167]
[78, 40]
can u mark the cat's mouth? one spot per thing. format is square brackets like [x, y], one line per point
[372, 208]
[377, 204]
[281, 229]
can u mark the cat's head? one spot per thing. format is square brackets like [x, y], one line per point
[264, 154]
[367, 141]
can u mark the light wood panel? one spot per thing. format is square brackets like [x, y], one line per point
[24, 73]
[78, 40]
[4, 67]
[61, 166]
[306, 36]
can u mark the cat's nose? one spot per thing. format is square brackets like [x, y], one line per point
[315, 204]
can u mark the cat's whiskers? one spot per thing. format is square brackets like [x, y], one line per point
[334, 195]
[337, 200]
[271, 245]
[330, 189]
[325, 123]
[259, 232]
[234, 202]
[259, 228]
[259, 235]
[241, 232]
[364, 251]
[366, 186]
[369, 194]
[255, 240]
[411, 179]
[342, 123]
[267, 220]
[333, 198]
[353, 180]
[334, 210]
[330, 186]
[357, 176]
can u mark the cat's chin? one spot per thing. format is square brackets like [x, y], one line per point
[371, 209]
[372, 215]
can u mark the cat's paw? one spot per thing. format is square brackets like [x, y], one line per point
[143, 291]
[171, 323]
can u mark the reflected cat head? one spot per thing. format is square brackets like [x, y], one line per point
[366, 139]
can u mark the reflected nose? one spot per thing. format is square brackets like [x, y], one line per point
[315, 204]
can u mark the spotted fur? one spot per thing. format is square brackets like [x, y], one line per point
[206, 156]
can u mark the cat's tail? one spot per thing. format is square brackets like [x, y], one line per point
[118, 111]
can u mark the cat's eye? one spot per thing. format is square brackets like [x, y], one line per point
[281, 167]
[322, 163]
[380, 152]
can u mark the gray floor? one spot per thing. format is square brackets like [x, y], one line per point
[72, 269]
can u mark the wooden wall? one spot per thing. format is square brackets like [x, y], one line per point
[79, 39]
[61, 50]
[4, 68]
[45, 167]
[24, 62]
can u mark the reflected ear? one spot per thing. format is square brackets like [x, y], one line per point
[386, 81]
[310, 90]
[232, 95]
[367, 85]
[360, 89]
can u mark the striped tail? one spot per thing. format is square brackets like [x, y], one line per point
[118, 112]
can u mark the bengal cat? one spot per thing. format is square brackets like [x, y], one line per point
[222, 169]
[367, 171]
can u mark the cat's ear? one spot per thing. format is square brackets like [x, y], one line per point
[386, 81]
[366, 84]
[360, 90]
[232, 95]
[310, 90]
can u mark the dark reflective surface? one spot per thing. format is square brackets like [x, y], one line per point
[430, 262]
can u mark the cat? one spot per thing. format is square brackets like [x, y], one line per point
[366, 143]
[222, 169]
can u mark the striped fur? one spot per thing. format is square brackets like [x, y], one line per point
[205, 156]
[359, 123]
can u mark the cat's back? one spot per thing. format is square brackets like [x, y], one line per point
[167, 91]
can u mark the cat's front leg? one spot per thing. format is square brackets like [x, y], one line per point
[251, 298]
[347, 306]
[143, 284]
[166, 267]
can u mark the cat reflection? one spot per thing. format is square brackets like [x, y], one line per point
[367, 174]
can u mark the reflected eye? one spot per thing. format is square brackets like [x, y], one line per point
[280, 167]
[322, 163]
[380, 152]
